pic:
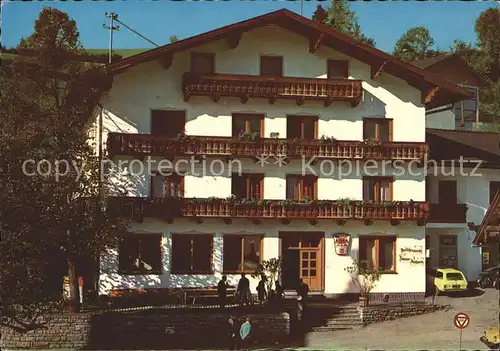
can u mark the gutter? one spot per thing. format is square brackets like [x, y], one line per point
[439, 109]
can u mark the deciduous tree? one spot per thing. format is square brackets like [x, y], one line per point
[50, 216]
[415, 44]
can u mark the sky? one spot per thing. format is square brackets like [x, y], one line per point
[158, 20]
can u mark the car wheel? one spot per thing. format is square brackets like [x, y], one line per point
[482, 284]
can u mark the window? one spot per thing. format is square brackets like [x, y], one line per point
[301, 187]
[377, 188]
[242, 253]
[466, 112]
[140, 254]
[447, 191]
[248, 186]
[243, 123]
[167, 186]
[302, 127]
[379, 251]
[454, 276]
[203, 64]
[494, 187]
[192, 254]
[439, 275]
[337, 69]
[377, 128]
[167, 123]
[271, 66]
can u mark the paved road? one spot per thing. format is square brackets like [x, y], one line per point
[430, 331]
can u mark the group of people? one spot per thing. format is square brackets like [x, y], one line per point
[243, 293]
[239, 333]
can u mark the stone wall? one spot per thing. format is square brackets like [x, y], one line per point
[59, 331]
[375, 314]
[144, 330]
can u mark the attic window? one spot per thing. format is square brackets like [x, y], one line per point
[271, 66]
[337, 69]
[203, 64]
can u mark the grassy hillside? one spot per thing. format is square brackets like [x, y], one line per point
[122, 52]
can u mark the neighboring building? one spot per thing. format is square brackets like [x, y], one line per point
[285, 82]
[458, 201]
[488, 234]
[461, 115]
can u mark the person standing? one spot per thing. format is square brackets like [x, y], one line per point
[302, 291]
[245, 333]
[243, 290]
[221, 291]
[234, 329]
[261, 289]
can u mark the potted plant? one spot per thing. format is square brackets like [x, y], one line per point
[271, 269]
[364, 275]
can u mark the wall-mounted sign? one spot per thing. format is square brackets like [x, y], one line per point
[412, 255]
[448, 240]
[341, 242]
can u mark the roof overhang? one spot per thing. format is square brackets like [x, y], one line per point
[436, 91]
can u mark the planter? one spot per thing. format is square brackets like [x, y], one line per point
[364, 301]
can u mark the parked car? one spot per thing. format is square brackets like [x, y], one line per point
[449, 280]
[491, 338]
[489, 278]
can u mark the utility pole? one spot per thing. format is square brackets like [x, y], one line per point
[112, 18]
[302, 7]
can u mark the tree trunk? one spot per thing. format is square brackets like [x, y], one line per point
[74, 291]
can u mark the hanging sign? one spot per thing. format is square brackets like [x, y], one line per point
[341, 242]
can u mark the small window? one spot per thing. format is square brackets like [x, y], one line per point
[192, 254]
[242, 253]
[377, 128]
[167, 186]
[302, 127]
[494, 187]
[140, 254]
[337, 69]
[379, 251]
[167, 123]
[439, 275]
[454, 276]
[377, 188]
[466, 112]
[271, 66]
[447, 191]
[301, 187]
[203, 64]
[245, 123]
[248, 186]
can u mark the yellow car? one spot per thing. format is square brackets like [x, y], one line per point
[449, 280]
[491, 338]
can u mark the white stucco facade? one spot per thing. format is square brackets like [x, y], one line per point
[140, 89]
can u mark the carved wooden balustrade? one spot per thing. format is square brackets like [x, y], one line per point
[272, 88]
[267, 209]
[148, 145]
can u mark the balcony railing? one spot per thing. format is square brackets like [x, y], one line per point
[267, 209]
[447, 213]
[148, 145]
[248, 86]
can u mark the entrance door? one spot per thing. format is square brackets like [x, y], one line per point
[310, 270]
[302, 259]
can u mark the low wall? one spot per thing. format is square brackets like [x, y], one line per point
[375, 314]
[144, 330]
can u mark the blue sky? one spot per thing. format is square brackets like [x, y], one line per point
[383, 21]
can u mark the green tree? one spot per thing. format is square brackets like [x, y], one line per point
[54, 217]
[415, 44]
[340, 17]
[173, 39]
[493, 127]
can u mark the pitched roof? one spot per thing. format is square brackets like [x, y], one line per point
[451, 67]
[491, 218]
[423, 80]
[456, 143]
[430, 61]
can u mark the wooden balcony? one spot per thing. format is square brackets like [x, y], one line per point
[266, 209]
[272, 88]
[447, 213]
[148, 145]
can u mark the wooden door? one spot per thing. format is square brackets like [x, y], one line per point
[310, 268]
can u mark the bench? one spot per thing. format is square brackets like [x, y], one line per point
[204, 292]
[145, 294]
